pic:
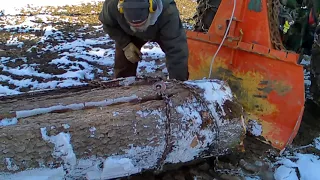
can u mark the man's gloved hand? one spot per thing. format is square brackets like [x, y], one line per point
[132, 53]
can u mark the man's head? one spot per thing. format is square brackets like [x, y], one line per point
[136, 12]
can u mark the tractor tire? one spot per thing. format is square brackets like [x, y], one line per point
[315, 68]
[205, 13]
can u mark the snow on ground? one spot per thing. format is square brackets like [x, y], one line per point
[51, 50]
[307, 81]
[39, 53]
[298, 166]
[15, 6]
[295, 165]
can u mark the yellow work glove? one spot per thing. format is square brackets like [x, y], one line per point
[132, 53]
[286, 27]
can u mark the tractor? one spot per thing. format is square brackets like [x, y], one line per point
[257, 47]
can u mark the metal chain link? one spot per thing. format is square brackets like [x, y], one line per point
[273, 14]
[168, 133]
[168, 103]
[168, 106]
[168, 139]
[203, 7]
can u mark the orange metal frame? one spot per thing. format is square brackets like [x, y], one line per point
[269, 83]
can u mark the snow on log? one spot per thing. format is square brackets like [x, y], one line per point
[118, 128]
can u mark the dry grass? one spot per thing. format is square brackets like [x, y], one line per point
[187, 9]
[88, 13]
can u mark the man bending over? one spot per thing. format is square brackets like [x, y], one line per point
[132, 23]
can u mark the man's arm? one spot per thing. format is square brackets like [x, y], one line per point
[174, 43]
[110, 23]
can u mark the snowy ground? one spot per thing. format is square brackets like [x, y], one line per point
[48, 51]
[49, 47]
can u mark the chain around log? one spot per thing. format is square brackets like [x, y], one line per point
[160, 88]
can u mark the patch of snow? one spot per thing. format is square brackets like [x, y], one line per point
[111, 101]
[155, 52]
[62, 149]
[285, 173]
[161, 118]
[118, 167]
[143, 113]
[190, 112]
[37, 111]
[115, 114]
[186, 25]
[25, 71]
[187, 145]
[253, 178]
[13, 41]
[216, 92]
[316, 142]
[254, 127]
[5, 90]
[128, 81]
[84, 168]
[10, 165]
[307, 82]
[4, 59]
[305, 60]
[133, 161]
[145, 157]
[66, 126]
[307, 165]
[20, 83]
[77, 49]
[33, 84]
[165, 70]
[148, 66]
[66, 83]
[92, 131]
[26, 26]
[8, 121]
[36, 174]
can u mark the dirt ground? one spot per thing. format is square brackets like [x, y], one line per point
[309, 129]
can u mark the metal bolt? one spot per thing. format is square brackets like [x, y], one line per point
[220, 26]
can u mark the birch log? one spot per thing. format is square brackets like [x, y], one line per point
[120, 129]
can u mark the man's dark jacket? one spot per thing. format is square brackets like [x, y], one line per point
[167, 31]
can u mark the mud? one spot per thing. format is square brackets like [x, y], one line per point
[309, 129]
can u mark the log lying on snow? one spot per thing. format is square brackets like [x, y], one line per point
[120, 129]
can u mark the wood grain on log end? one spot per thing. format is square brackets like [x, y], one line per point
[127, 124]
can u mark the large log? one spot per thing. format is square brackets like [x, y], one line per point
[118, 128]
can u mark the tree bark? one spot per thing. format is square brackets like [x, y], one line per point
[93, 130]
